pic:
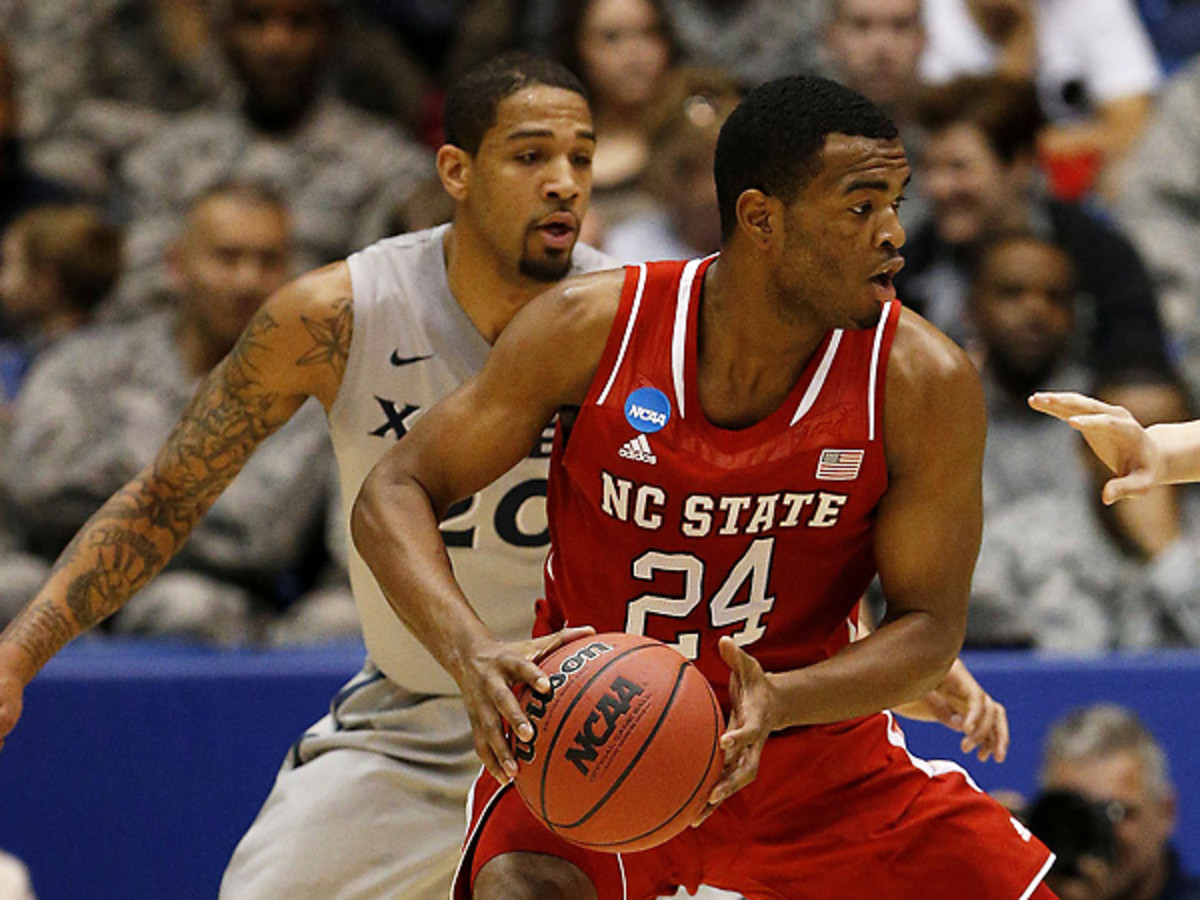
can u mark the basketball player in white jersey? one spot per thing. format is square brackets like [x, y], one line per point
[370, 801]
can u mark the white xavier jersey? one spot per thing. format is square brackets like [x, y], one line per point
[412, 345]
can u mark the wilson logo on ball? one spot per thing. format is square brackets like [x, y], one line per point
[535, 709]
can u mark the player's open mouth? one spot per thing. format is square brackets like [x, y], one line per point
[885, 290]
[558, 230]
[558, 233]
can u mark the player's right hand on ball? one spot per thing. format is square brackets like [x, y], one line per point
[751, 721]
[486, 678]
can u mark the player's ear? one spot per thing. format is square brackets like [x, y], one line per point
[454, 169]
[759, 216]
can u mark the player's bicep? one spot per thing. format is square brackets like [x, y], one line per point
[930, 520]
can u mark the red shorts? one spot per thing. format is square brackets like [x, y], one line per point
[838, 812]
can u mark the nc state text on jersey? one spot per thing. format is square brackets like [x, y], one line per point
[700, 515]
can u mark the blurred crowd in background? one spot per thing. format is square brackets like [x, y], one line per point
[166, 164]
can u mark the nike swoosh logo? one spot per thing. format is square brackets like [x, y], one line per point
[398, 360]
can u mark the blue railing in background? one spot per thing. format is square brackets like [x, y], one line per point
[137, 766]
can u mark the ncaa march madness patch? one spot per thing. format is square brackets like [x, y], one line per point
[648, 410]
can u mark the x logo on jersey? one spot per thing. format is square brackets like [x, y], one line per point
[397, 419]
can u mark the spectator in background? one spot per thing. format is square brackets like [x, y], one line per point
[1063, 572]
[1106, 754]
[1080, 834]
[684, 221]
[20, 187]
[57, 263]
[48, 41]
[1160, 208]
[874, 47]
[1056, 570]
[121, 71]
[332, 163]
[399, 55]
[980, 179]
[754, 40]
[1022, 307]
[97, 406]
[622, 50]
[1092, 62]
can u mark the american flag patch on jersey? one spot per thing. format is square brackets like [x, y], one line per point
[839, 465]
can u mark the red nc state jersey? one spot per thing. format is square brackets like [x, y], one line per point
[666, 525]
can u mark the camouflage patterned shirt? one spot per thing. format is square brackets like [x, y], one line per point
[331, 171]
[94, 411]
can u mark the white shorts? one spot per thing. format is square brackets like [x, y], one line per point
[369, 804]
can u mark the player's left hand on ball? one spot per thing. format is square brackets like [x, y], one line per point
[752, 701]
[960, 703]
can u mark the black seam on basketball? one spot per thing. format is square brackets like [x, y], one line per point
[570, 709]
[711, 753]
[619, 780]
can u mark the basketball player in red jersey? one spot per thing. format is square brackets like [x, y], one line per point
[744, 442]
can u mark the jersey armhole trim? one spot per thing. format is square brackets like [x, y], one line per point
[879, 366]
[629, 323]
[679, 334]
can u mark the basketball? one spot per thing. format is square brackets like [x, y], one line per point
[625, 747]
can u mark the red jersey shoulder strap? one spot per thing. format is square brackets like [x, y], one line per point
[645, 317]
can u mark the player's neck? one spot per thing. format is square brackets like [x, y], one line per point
[749, 357]
[488, 293]
[739, 312]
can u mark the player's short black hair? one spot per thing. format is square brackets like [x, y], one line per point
[773, 141]
[472, 101]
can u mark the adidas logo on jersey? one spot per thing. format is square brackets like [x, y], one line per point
[638, 449]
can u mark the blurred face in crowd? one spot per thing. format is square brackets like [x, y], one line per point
[1144, 814]
[234, 253]
[279, 48]
[24, 291]
[876, 45]
[526, 189]
[682, 171]
[972, 192]
[623, 52]
[1024, 306]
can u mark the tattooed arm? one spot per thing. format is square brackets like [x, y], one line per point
[295, 347]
